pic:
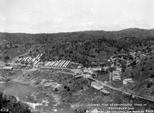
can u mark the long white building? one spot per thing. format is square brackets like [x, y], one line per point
[62, 62]
[66, 63]
[51, 64]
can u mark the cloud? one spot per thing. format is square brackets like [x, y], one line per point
[92, 9]
[24, 10]
[58, 20]
[2, 18]
[72, 15]
[85, 24]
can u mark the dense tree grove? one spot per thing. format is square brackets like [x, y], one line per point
[10, 104]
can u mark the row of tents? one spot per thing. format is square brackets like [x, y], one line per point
[60, 63]
[29, 59]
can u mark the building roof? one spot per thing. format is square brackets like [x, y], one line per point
[105, 91]
[116, 78]
[97, 69]
[128, 79]
[95, 84]
[8, 67]
[116, 73]
[86, 75]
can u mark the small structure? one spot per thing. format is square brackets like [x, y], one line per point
[105, 92]
[8, 68]
[116, 78]
[116, 74]
[119, 69]
[96, 85]
[87, 75]
[105, 68]
[80, 66]
[88, 70]
[128, 80]
[97, 69]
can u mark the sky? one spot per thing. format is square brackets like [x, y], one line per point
[51, 16]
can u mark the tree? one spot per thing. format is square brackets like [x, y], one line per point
[6, 58]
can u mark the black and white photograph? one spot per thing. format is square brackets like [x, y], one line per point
[76, 56]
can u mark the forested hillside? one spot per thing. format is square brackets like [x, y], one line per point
[83, 47]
